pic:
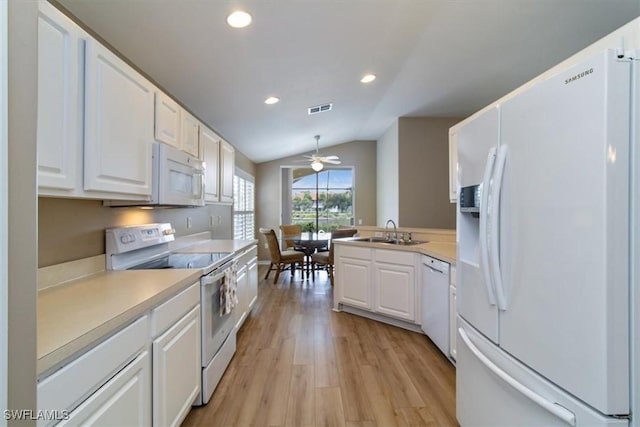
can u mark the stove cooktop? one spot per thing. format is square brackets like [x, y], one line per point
[203, 260]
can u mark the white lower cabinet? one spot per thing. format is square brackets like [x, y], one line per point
[148, 373]
[377, 280]
[91, 386]
[353, 276]
[395, 290]
[125, 400]
[247, 289]
[176, 370]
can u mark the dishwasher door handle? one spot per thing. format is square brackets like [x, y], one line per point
[435, 270]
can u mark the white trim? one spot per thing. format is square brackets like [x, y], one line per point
[4, 228]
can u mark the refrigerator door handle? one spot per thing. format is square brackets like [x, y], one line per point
[557, 410]
[494, 246]
[484, 200]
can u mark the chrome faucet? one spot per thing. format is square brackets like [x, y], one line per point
[395, 229]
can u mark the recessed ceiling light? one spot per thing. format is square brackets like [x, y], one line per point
[239, 19]
[271, 100]
[368, 78]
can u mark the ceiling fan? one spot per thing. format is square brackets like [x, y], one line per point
[318, 161]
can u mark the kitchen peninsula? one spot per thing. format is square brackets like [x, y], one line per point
[389, 282]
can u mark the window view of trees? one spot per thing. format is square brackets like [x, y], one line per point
[325, 198]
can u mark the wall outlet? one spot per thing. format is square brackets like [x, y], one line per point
[188, 222]
[359, 221]
[266, 246]
[377, 234]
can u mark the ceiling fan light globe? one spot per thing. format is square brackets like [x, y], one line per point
[316, 166]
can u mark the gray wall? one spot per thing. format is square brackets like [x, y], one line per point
[22, 202]
[359, 154]
[424, 173]
[70, 229]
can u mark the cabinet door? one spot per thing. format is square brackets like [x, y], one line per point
[123, 401]
[190, 141]
[176, 370]
[453, 167]
[252, 282]
[353, 282]
[60, 92]
[118, 125]
[395, 290]
[167, 120]
[211, 150]
[241, 308]
[227, 166]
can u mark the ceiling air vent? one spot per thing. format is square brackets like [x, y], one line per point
[320, 108]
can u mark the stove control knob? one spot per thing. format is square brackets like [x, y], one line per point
[127, 238]
[169, 231]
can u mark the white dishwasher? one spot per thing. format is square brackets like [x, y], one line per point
[435, 302]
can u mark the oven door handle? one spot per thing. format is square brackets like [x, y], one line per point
[212, 278]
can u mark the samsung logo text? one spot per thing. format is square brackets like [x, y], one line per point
[578, 76]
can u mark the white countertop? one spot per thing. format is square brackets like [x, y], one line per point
[78, 313]
[444, 251]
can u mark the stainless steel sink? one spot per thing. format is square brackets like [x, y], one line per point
[388, 241]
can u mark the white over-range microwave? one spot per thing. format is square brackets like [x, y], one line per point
[178, 179]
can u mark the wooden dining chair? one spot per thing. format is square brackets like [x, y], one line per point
[325, 259]
[281, 260]
[290, 232]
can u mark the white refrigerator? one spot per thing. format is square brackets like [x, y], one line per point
[544, 255]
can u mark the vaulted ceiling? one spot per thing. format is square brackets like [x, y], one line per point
[445, 58]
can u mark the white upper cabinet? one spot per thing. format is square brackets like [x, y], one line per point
[227, 166]
[210, 143]
[60, 93]
[167, 120]
[190, 134]
[453, 166]
[118, 125]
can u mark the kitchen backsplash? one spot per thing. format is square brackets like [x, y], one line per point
[71, 229]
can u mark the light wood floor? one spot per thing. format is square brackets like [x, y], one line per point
[300, 364]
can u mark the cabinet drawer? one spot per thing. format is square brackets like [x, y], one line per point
[125, 400]
[396, 257]
[66, 388]
[171, 311]
[247, 256]
[353, 252]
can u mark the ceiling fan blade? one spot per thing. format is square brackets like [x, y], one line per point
[331, 157]
[333, 162]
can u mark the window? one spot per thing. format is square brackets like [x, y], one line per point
[323, 200]
[243, 210]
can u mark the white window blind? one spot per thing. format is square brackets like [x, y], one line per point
[243, 206]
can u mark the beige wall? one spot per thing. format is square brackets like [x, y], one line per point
[22, 201]
[70, 229]
[424, 173]
[388, 177]
[359, 154]
[243, 162]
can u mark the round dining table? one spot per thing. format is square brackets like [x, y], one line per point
[309, 243]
